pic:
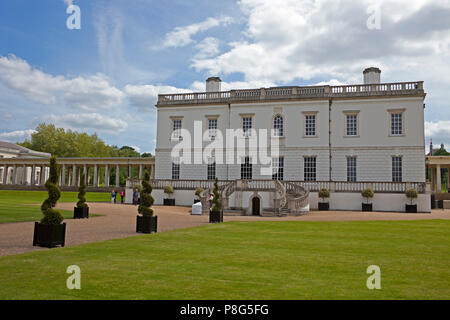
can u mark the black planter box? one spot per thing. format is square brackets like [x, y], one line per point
[324, 206]
[196, 201]
[440, 204]
[49, 235]
[367, 207]
[169, 202]
[146, 224]
[81, 213]
[411, 208]
[215, 217]
[433, 201]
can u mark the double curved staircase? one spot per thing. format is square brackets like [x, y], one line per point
[289, 197]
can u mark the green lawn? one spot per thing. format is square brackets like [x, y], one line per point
[246, 260]
[17, 206]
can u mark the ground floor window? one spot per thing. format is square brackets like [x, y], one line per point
[351, 169]
[278, 168]
[175, 169]
[212, 169]
[246, 169]
[310, 169]
[397, 169]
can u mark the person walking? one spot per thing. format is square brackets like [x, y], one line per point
[113, 196]
[122, 195]
[135, 197]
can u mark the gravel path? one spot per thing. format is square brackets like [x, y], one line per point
[119, 221]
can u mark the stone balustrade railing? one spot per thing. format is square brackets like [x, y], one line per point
[283, 93]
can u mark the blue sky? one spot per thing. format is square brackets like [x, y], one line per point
[105, 77]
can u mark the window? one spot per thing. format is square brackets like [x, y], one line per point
[310, 169]
[175, 169]
[278, 126]
[246, 169]
[212, 128]
[397, 169]
[310, 125]
[278, 168]
[352, 125]
[351, 169]
[176, 129]
[247, 126]
[396, 124]
[211, 169]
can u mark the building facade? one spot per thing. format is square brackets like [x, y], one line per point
[373, 132]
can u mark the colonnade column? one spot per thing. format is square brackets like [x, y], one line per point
[95, 176]
[438, 179]
[33, 175]
[117, 176]
[14, 174]
[106, 175]
[85, 174]
[140, 172]
[23, 180]
[74, 175]
[5, 174]
[63, 175]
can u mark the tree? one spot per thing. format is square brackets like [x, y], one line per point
[324, 193]
[128, 152]
[81, 193]
[146, 155]
[368, 194]
[217, 207]
[52, 216]
[146, 197]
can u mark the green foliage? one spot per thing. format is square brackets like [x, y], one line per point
[146, 197]
[52, 216]
[82, 193]
[412, 194]
[216, 200]
[324, 193]
[168, 190]
[441, 152]
[146, 155]
[128, 152]
[198, 191]
[368, 194]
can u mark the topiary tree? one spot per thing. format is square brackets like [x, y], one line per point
[146, 197]
[216, 200]
[168, 190]
[324, 193]
[52, 216]
[368, 194]
[198, 191]
[412, 194]
[81, 193]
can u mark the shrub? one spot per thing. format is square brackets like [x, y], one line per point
[146, 197]
[216, 200]
[52, 216]
[412, 194]
[198, 191]
[81, 193]
[368, 194]
[168, 190]
[324, 193]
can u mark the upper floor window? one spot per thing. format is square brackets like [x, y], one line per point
[278, 168]
[397, 171]
[351, 124]
[247, 126]
[397, 122]
[212, 128]
[278, 128]
[310, 173]
[246, 169]
[351, 169]
[310, 124]
[176, 129]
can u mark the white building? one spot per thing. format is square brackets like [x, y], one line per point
[342, 137]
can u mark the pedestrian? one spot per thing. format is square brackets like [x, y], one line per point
[113, 196]
[211, 197]
[135, 197]
[122, 195]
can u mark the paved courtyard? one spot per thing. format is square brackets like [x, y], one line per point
[119, 221]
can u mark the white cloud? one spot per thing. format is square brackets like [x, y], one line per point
[182, 36]
[68, 2]
[439, 132]
[16, 136]
[86, 93]
[146, 96]
[89, 122]
[208, 47]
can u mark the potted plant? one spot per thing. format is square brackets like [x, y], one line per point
[81, 211]
[169, 201]
[411, 194]
[367, 194]
[146, 222]
[198, 191]
[50, 232]
[216, 215]
[324, 194]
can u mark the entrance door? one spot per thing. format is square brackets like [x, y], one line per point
[256, 206]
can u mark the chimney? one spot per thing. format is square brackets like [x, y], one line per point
[431, 147]
[372, 76]
[213, 84]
